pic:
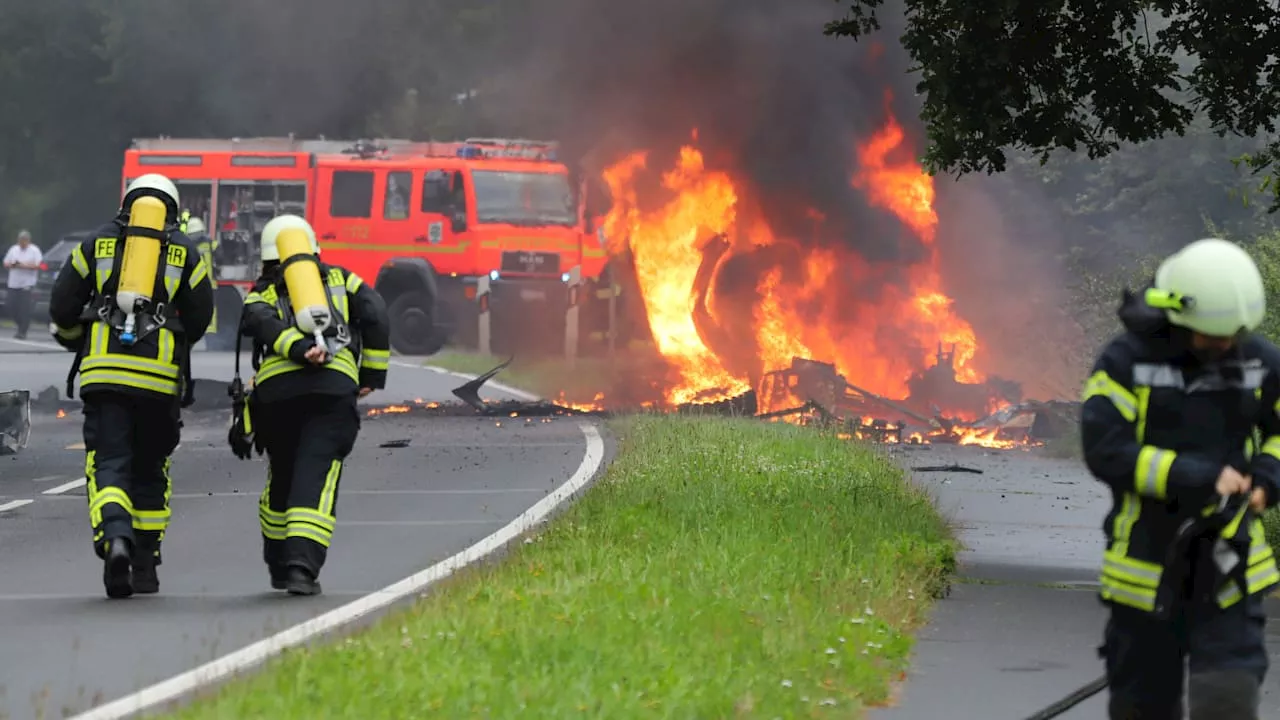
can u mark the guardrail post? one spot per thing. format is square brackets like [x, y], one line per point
[571, 316]
[482, 299]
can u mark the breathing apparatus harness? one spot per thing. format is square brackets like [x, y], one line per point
[242, 436]
[149, 320]
[1230, 558]
[338, 335]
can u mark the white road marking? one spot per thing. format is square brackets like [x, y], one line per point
[67, 486]
[15, 504]
[420, 523]
[46, 478]
[34, 343]
[253, 655]
[514, 392]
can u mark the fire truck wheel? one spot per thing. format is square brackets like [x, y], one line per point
[413, 327]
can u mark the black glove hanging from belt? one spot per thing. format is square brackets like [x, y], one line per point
[1229, 556]
[242, 436]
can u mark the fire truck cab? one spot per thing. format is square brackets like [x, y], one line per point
[423, 221]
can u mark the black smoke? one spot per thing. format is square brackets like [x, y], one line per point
[773, 100]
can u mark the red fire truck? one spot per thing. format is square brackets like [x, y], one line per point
[424, 221]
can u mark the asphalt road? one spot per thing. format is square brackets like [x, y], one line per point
[66, 647]
[1022, 627]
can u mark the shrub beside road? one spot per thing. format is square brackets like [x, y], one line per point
[718, 567]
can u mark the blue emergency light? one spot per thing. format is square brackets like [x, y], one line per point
[470, 152]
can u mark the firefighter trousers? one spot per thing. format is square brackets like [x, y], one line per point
[128, 441]
[307, 439]
[1224, 650]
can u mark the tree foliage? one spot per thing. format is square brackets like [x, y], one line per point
[84, 77]
[1085, 75]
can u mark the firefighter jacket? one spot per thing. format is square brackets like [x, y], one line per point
[158, 363]
[1158, 427]
[283, 371]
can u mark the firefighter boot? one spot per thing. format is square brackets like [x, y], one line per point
[146, 556]
[279, 576]
[301, 581]
[117, 573]
[1224, 695]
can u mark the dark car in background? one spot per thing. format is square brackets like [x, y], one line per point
[53, 260]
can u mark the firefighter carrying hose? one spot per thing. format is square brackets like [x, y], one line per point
[1181, 409]
[130, 302]
[321, 340]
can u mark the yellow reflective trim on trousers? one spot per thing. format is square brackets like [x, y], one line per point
[1100, 384]
[375, 359]
[307, 515]
[127, 379]
[108, 496]
[273, 523]
[285, 340]
[302, 530]
[119, 361]
[1151, 474]
[329, 495]
[78, 263]
[91, 488]
[157, 520]
[151, 520]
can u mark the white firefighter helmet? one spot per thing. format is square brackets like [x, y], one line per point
[195, 226]
[271, 232]
[1212, 287]
[155, 185]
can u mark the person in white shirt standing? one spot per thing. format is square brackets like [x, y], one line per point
[23, 261]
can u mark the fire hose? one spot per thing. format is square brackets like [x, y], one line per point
[1175, 567]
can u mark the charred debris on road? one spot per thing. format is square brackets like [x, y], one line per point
[814, 394]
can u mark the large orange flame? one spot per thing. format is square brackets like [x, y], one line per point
[806, 301]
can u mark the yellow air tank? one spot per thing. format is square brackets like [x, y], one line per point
[307, 293]
[141, 260]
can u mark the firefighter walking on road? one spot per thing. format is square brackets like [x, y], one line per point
[1180, 414]
[321, 340]
[194, 229]
[130, 301]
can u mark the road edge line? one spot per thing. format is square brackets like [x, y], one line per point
[258, 652]
[465, 377]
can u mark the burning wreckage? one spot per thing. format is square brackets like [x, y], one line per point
[812, 393]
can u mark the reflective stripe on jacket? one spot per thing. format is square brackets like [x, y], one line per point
[1158, 430]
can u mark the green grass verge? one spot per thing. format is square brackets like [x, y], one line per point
[1271, 523]
[718, 568]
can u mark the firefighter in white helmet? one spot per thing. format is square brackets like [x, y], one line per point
[323, 340]
[130, 302]
[206, 245]
[1179, 418]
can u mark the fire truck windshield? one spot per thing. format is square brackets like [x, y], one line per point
[523, 198]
